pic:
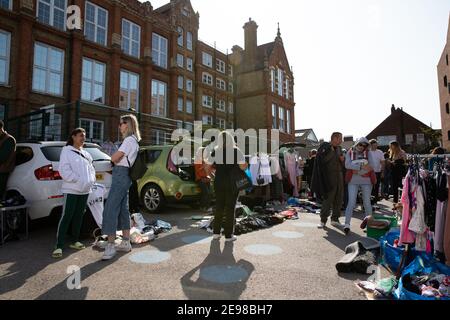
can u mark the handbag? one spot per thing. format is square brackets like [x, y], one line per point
[260, 180]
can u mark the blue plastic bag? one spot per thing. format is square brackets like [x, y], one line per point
[420, 265]
[391, 256]
[249, 177]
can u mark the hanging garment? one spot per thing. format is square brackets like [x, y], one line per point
[417, 222]
[260, 168]
[406, 236]
[291, 165]
[447, 234]
[275, 168]
[95, 203]
[430, 202]
[441, 211]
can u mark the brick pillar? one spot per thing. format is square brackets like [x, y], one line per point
[173, 82]
[116, 43]
[76, 59]
[25, 56]
[146, 90]
[76, 65]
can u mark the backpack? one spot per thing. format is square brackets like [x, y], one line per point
[139, 167]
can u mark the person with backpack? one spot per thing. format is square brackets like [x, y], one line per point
[116, 215]
[226, 159]
[78, 174]
[7, 158]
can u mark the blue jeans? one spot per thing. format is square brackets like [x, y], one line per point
[352, 195]
[116, 215]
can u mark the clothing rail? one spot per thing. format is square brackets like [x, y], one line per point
[428, 156]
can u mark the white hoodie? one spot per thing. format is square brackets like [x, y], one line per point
[77, 171]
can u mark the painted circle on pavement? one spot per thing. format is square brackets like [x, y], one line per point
[263, 249]
[149, 257]
[305, 224]
[288, 234]
[223, 274]
[197, 239]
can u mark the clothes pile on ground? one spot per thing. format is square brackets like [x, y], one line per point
[428, 285]
[261, 217]
[380, 289]
[305, 205]
[141, 231]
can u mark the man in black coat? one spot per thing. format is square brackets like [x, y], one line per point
[328, 180]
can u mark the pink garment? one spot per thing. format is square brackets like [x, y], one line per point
[290, 161]
[406, 236]
[441, 211]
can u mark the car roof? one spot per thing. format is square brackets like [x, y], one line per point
[55, 143]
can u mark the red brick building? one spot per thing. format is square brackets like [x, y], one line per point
[402, 127]
[127, 55]
[443, 71]
[264, 85]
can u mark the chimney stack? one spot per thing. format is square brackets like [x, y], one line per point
[251, 38]
[393, 108]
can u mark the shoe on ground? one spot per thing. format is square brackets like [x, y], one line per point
[124, 246]
[336, 224]
[77, 246]
[57, 254]
[233, 238]
[110, 252]
[321, 225]
[347, 229]
[216, 237]
[364, 222]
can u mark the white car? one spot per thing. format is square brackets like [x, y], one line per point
[37, 179]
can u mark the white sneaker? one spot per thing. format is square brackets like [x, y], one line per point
[233, 238]
[124, 246]
[347, 229]
[336, 224]
[321, 225]
[216, 236]
[110, 252]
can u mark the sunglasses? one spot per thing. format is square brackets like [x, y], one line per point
[121, 123]
[363, 145]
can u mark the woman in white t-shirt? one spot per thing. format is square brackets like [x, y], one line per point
[116, 215]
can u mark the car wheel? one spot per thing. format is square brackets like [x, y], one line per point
[152, 198]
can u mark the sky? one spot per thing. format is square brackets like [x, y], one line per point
[352, 59]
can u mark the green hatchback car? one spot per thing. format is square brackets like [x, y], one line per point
[165, 182]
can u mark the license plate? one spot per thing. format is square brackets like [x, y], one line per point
[99, 176]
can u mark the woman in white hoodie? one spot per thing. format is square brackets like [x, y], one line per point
[78, 174]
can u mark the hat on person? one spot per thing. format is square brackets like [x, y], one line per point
[362, 140]
[372, 141]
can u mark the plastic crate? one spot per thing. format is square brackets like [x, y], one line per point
[377, 233]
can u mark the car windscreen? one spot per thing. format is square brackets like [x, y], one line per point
[97, 154]
[52, 153]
